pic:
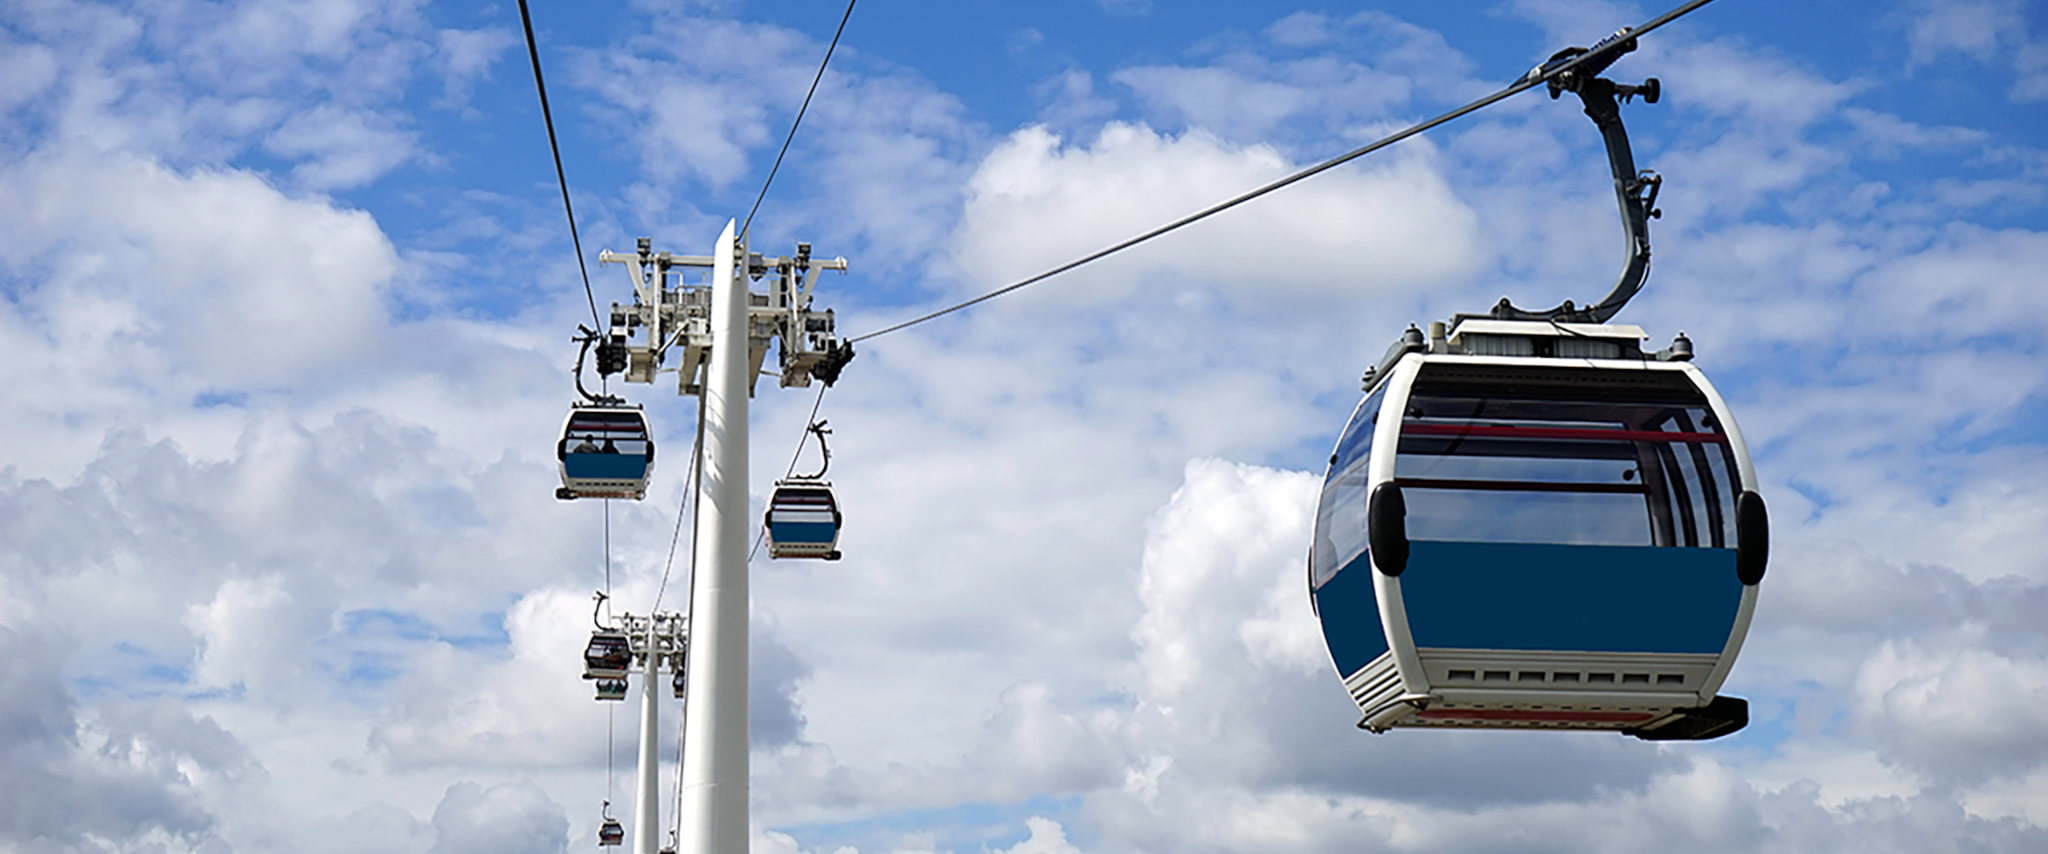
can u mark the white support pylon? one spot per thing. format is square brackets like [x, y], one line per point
[647, 806]
[715, 773]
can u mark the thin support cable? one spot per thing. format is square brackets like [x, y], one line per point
[761, 535]
[682, 721]
[607, 559]
[1527, 82]
[799, 116]
[808, 421]
[689, 487]
[689, 622]
[547, 116]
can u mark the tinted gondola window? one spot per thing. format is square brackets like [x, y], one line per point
[605, 432]
[1340, 525]
[1571, 463]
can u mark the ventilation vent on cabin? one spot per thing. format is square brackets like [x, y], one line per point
[1566, 677]
[1499, 345]
[1587, 348]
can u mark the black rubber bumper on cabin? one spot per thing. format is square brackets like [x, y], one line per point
[1718, 718]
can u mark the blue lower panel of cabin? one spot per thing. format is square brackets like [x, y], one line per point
[802, 533]
[1524, 596]
[605, 466]
[1350, 614]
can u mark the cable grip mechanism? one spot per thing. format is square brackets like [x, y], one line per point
[1636, 191]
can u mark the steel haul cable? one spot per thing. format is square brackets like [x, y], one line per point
[548, 117]
[692, 481]
[762, 535]
[1524, 84]
[746, 226]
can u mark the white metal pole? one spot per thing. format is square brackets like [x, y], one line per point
[647, 809]
[714, 819]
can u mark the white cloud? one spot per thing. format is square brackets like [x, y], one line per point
[1889, 133]
[28, 69]
[516, 817]
[1968, 28]
[246, 634]
[1047, 837]
[1995, 33]
[1037, 201]
[228, 280]
[340, 149]
[1964, 712]
[701, 94]
[1372, 73]
[467, 56]
[1229, 533]
[1219, 100]
[1301, 29]
[122, 779]
[1126, 8]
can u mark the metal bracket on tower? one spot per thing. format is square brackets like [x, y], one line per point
[658, 641]
[669, 314]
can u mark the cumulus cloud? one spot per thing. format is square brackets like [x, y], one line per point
[339, 149]
[712, 95]
[1131, 177]
[1965, 712]
[467, 56]
[144, 276]
[507, 817]
[124, 778]
[1995, 33]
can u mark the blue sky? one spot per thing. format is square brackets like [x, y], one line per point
[289, 296]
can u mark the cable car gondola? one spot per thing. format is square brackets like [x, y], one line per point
[608, 655]
[610, 833]
[606, 451]
[803, 520]
[1530, 523]
[803, 516]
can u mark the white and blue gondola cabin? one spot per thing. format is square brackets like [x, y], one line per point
[606, 451]
[803, 520]
[1533, 525]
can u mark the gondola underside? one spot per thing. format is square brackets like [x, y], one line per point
[1544, 636]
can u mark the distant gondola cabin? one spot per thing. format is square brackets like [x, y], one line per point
[605, 451]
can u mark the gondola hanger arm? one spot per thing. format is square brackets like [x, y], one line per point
[1596, 57]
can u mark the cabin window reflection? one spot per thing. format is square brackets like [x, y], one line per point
[620, 433]
[1340, 523]
[1530, 468]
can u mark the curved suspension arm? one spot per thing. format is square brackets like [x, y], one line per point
[1635, 191]
[822, 431]
[586, 339]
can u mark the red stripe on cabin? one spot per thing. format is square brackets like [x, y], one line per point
[1508, 431]
[1563, 716]
[1520, 485]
